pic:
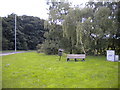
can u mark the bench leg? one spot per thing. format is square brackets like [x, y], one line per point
[83, 60]
[75, 59]
[67, 59]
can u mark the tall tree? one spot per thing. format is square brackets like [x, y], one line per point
[30, 31]
[84, 28]
[110, 23]
[69, 29]
[57, 11]
[104, 26]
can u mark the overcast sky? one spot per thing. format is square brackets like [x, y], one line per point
[28, 7]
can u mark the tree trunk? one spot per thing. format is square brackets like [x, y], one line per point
[95, 50]
[82, 45]
[71, 46]
[70, 51]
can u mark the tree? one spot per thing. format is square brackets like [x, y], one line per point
[52, 40]
[30, 32]
[84, 28]
[57, 11]
[76, 28]
[89, 30]
[69, 29]
[108, 23]
[103, 26]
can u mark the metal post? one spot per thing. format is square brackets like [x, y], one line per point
[60, 58]
[15, 33]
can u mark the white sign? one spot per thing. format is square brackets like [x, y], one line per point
[110, 55]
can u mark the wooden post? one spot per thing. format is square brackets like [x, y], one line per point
[60, 58]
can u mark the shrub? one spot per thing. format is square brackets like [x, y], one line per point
[48, 47]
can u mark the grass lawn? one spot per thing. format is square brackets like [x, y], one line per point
[33, 70]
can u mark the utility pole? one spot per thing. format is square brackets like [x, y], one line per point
[15, 32]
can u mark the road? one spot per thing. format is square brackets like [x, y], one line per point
[4, 54]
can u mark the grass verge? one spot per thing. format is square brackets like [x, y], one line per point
[33, 70]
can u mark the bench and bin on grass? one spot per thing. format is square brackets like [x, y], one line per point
[75, 57]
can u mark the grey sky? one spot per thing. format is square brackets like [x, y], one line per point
[28, 7]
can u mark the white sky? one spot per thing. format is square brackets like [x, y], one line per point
[28, 7]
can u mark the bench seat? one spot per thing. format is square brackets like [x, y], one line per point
[75, 56]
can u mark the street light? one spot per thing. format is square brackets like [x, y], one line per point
[15, 32]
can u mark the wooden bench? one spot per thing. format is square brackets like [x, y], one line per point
[75, 57]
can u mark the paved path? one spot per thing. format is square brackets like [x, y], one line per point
[4, 54]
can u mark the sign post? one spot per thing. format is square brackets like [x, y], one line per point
[60, 53]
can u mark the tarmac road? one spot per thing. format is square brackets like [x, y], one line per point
[4, 54]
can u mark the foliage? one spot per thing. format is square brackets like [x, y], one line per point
[105, 26]
[30, 31]
[50, 47]
[52, 42]
[57, 11]
[90, 30]
[94, 26]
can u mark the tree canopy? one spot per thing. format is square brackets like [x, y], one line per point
[30, 32]
[91, 30]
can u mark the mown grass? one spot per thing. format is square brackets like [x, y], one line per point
[32, 70]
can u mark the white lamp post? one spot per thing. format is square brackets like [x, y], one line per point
[15, 32]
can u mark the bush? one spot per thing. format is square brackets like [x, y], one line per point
[48, 47]
[38, 47]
